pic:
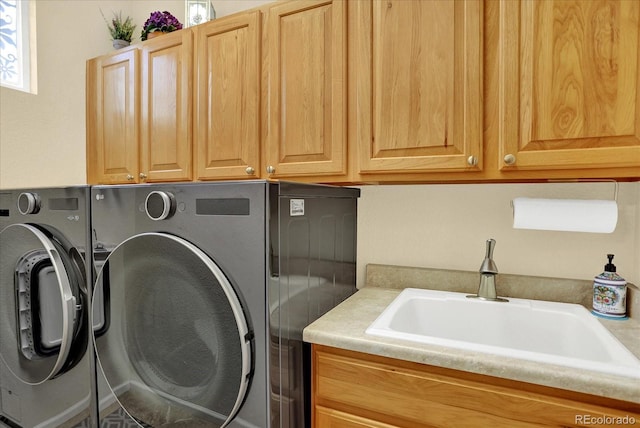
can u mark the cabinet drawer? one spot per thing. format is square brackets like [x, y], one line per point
[410, 394]
[329, 418]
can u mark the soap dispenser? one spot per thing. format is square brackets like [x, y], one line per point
[610, 293]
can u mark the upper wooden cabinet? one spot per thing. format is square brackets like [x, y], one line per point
[166, 108]
[376, 91]
[569, 84]
[227, 122]
[139, 112]
[306, 112]
[418, 75]
[112, 118]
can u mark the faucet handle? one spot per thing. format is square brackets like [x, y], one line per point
[491, 244]
[488, 265]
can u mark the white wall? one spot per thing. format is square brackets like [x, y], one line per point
[42, 137]
[446, 226]
[635, 260]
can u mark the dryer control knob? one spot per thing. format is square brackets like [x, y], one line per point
[160, 205]
[28, 203]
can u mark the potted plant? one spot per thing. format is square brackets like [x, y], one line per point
[159, 22]
[121, 30]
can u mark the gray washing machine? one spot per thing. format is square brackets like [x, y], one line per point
[45, 360]
[203, 290]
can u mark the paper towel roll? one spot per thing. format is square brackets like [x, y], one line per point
[571, 215]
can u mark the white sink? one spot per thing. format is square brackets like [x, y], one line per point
[557, 333]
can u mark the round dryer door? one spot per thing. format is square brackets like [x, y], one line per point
[38, 309]
[177, 349]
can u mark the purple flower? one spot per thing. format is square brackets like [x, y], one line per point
[160, 21]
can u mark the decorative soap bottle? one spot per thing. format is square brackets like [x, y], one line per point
[610, 293]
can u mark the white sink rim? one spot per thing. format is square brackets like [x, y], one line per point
[624, 363]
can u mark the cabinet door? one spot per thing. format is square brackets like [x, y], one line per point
[112, 118]
[418, 85]
[307, 89]
[228, 98]
[166, 110]
[569, 84]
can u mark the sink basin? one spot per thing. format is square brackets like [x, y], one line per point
[550, 332]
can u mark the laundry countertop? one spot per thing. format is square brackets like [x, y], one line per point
[344, 327]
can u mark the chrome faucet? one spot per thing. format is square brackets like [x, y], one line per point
[488, 273]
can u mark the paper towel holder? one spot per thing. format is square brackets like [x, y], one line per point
[585, 180]
[591, 180]
[570, 215]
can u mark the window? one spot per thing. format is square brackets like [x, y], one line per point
[198, 11]
[17, 45]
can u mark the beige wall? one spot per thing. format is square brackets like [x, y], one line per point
[446, 226]
[42, 143]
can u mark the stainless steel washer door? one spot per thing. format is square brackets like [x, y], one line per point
[177, 349]
[37, 305]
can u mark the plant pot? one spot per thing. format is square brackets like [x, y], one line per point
[155, 34]
[119, 44]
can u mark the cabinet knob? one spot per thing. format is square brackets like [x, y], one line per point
[472, 161]
[129, 177]
[510, 159]
[250, 170]
[143, 176]
[271, 169]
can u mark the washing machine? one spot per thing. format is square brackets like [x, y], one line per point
[45, 360]
[203, 290]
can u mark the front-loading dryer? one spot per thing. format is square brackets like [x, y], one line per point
[45, 363]
[205, 289]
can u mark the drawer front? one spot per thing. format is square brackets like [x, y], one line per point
[411, 394]
[329, 418]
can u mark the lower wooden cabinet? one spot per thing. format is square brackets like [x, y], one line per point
[352, 389]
